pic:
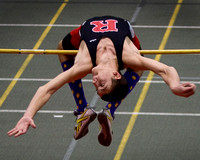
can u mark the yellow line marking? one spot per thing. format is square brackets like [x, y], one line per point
[145, 88]
[29, 58]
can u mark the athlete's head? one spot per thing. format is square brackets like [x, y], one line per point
[110, 85]
[119, 90]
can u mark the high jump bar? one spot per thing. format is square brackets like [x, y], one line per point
[74, 52]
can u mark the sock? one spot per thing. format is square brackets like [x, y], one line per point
[76, 88]
[132, 79]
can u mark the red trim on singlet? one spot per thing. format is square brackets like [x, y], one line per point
[75, 37]
[136, 42]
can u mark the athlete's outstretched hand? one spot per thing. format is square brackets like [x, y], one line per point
[22, 126]
[185, 89]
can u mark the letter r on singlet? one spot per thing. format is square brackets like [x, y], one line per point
[107, 26]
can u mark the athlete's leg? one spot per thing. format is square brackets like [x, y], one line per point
[76, 86]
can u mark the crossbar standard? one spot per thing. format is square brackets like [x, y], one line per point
[74, 52]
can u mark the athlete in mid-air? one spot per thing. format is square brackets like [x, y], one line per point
[105, 46]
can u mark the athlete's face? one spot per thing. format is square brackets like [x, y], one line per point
[102, 80]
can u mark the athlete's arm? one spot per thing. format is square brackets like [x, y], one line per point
[41, 97]
[80, 69]
[132, 59]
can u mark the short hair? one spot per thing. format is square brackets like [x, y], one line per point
[119, 90]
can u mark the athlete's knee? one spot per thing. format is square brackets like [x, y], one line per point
[63, 57]
[60, 46]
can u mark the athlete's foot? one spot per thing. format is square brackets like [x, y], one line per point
[105, 135]
[83, 121]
